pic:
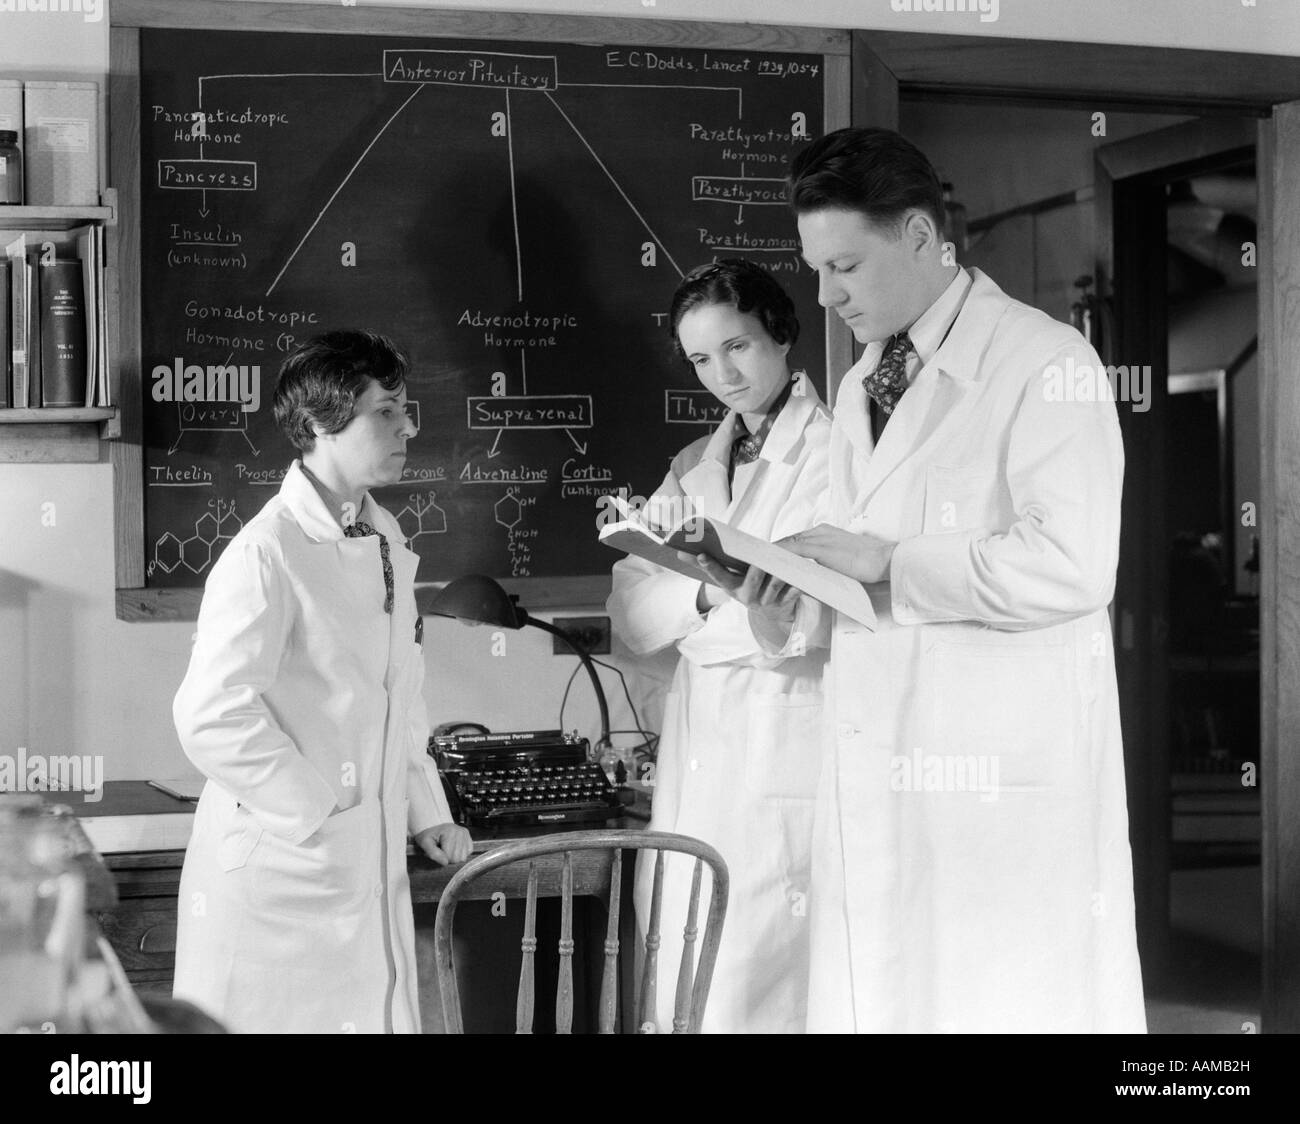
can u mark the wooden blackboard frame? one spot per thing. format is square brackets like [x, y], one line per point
[128, 17]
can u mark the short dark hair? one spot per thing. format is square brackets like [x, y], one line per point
[876, 172]
[734, 281]
[322, 378]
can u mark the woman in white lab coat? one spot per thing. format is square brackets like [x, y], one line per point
[739, 755]
[302, 705]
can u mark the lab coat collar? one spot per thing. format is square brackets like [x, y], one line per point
[961, 354]
[958, 357]
[957, 363]
[299, 495]
[785, 431]
[792, 420]
[707, 482]
[721, 439]
[705, 485]
[931, 327]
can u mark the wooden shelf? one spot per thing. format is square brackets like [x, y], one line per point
[53, 218]
[57, 415]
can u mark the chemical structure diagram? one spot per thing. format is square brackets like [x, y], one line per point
[509, 510]
[219, 525]
[421, 516]
[509, 513]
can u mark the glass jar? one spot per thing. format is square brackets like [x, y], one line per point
[11, 168]
[42, 920]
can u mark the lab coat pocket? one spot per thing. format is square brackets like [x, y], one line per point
[333, 867]
[960, 498]
[238, 842]
[782, 754]
[1003, 714]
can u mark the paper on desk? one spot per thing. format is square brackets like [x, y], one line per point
[191, 788]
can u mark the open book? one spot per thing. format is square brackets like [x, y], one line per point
[737, 551]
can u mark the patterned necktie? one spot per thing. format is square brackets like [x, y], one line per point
[748, 446]
[359, 530]
[888, 381]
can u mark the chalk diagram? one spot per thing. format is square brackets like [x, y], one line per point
[519, 75]
[421, 516]
[219, 525]
[211, 417]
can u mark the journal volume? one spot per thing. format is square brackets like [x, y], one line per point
[736, 550]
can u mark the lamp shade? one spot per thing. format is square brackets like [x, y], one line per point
[476, 599]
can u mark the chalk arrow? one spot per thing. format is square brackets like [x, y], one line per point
[203, 207]
[576, 444]
[492, 452]
[740, 215]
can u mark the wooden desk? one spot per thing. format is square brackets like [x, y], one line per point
[142, 927]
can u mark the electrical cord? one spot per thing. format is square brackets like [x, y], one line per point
[650, 739]
[648, 736]
[565, 698]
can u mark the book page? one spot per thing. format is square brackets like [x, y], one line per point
[825, 585]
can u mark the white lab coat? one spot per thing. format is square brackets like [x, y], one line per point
[302, 694]
[740, 750]
[936, 907]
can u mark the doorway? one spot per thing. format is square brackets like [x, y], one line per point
[1189, 684]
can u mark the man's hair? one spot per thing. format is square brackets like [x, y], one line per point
[875, 172]
[321, 380]
[733, 281]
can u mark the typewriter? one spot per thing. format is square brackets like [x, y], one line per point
[527, 779]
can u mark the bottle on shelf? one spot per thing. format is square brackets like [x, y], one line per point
[11, 168]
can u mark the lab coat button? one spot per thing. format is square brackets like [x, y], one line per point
[695, 765]
[379, 889]
[846, 731]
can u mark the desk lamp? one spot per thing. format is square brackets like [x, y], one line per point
[475, 599]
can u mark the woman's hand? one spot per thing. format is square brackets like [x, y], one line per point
[862, 557]
[708, 597]
[446, 843]
[759, 592]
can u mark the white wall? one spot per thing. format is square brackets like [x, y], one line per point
[75, 679]
[1263, 27]
[1004, 156]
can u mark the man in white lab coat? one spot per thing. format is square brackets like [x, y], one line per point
[971, 860]
[303, 707]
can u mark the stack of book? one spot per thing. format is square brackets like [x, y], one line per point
[53, 343]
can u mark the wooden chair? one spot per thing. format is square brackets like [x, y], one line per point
[488, 873]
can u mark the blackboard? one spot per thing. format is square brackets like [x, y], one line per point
[515, 215]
